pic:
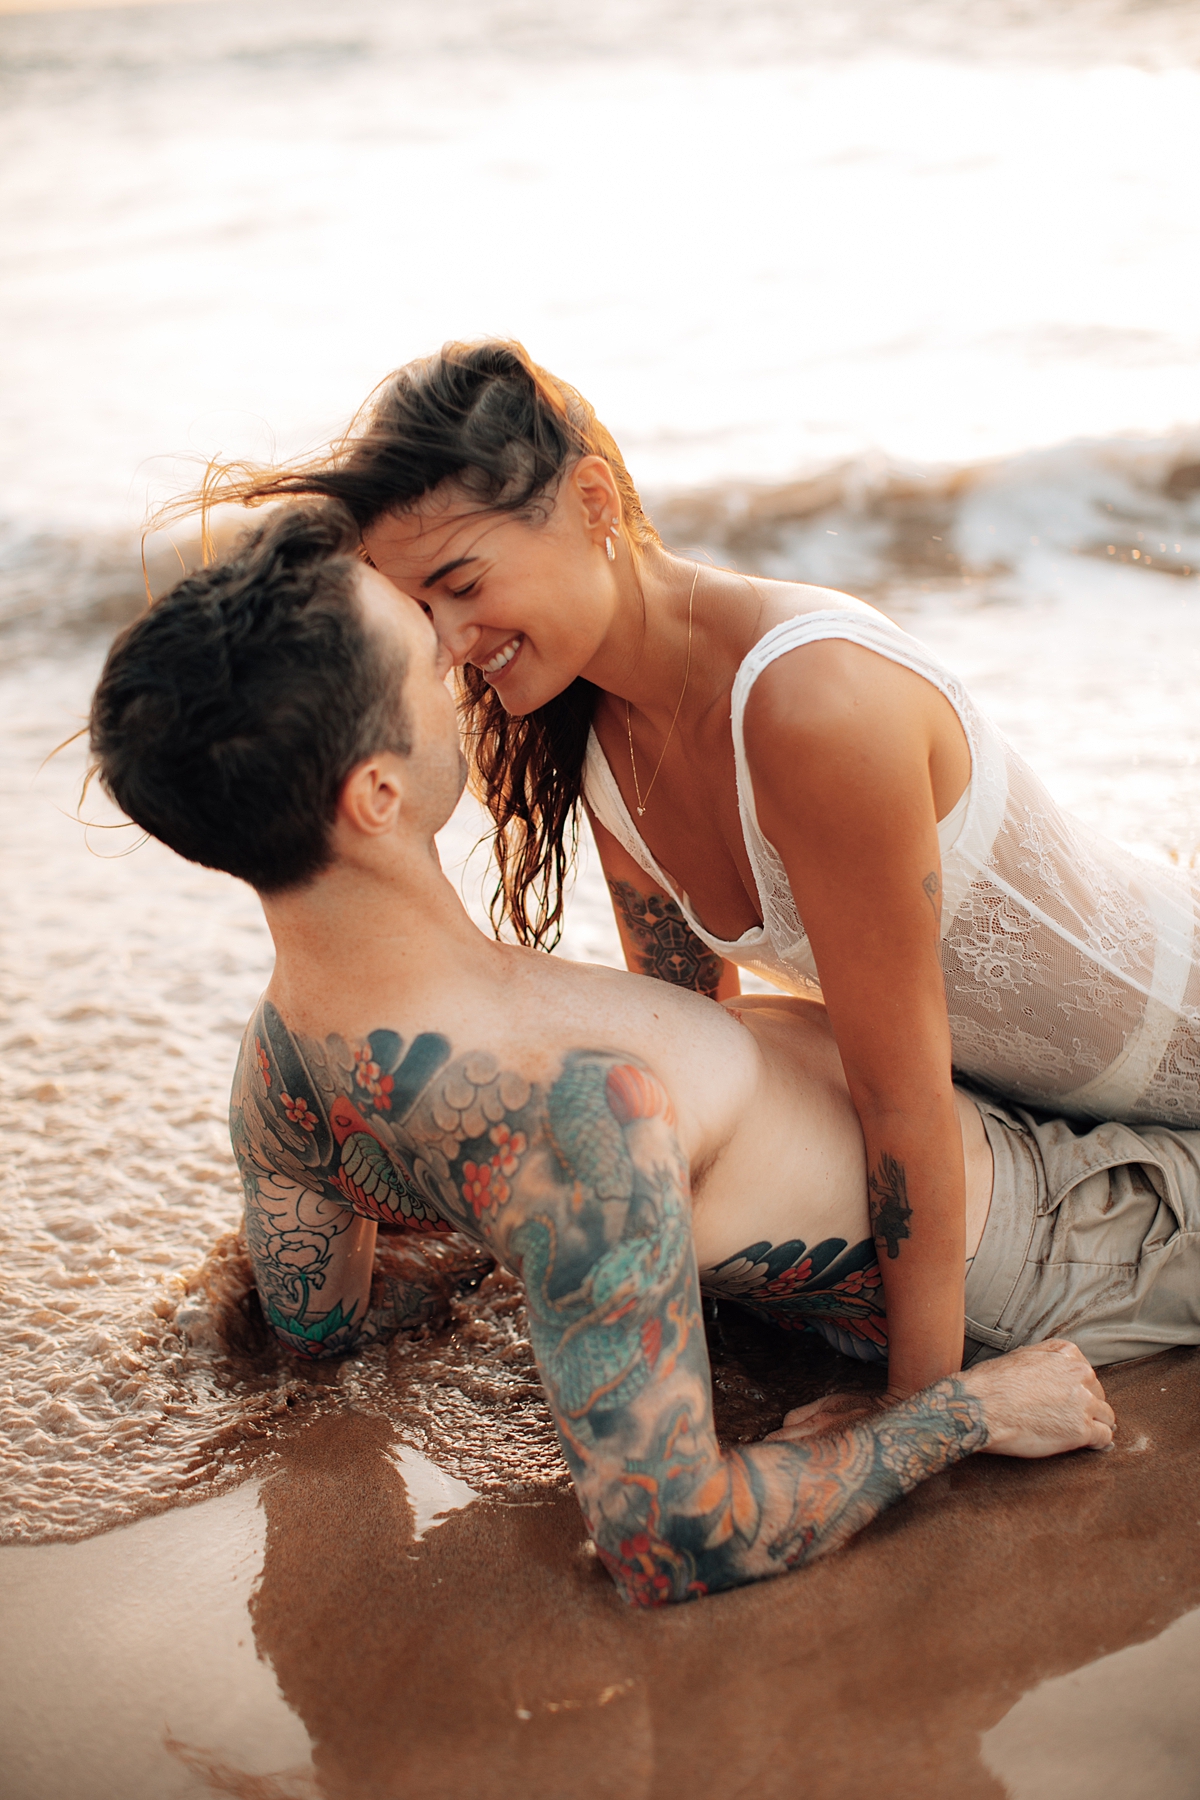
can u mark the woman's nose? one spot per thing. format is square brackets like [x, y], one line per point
[455, 640]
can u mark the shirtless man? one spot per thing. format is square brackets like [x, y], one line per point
[616, 1141]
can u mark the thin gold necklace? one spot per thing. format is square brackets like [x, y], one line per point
[642, 799]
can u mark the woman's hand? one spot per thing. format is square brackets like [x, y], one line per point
[828, 1415]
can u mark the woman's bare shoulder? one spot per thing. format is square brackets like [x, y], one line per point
[822, 690]
[836, 705]
[832, 685]
[783, 600]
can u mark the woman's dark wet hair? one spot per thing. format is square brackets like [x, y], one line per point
[228, 716]
[487, 418]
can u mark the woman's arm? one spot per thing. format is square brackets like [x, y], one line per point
[655, 936]
[844, 750]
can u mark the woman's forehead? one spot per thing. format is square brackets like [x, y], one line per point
[424, 536]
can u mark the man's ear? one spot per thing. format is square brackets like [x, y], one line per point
[372, 796]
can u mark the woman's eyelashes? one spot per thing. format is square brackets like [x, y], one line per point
[462, 592]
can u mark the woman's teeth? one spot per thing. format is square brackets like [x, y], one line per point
[500, 659]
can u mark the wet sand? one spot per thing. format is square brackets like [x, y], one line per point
[297, 1624]
[222, 1574]
[1022, 1630]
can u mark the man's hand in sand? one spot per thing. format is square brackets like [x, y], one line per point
[1040, 1401]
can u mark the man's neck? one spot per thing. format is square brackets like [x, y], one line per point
[383, 924]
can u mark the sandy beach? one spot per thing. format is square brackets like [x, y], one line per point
[372, 1579]
[344, 1628]
[898, 299]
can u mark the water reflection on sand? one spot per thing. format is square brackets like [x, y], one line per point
[117, 1646]
[487, 1654]
[1126, 1724]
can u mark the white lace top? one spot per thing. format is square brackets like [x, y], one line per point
[1071, 965]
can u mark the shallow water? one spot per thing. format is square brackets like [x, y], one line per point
[1019, 1630]
[837, 256]
[126, 981]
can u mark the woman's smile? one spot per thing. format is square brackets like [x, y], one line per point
[501, 659]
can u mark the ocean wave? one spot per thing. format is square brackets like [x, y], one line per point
[869, 523]
[308, 33]
[865, 525]
[78, 579]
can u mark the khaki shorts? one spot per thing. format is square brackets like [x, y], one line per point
[1093, 1235]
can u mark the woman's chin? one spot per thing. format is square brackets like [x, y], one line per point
[519, 697]
[517, 705]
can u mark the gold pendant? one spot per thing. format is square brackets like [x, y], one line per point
[641, 812]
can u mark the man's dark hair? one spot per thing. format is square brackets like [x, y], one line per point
[228, 716]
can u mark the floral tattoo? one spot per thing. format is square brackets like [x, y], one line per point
[578, 1183]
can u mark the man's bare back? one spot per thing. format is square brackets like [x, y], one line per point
[571, 1162]
[778, 1216]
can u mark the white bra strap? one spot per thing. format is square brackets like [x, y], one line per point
[858, 625]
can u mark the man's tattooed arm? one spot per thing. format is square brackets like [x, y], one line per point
[660, 942]
[322, 1287]
[594, 1214]
[580, 1186]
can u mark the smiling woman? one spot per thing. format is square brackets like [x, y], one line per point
[823, 803]
[483, 437]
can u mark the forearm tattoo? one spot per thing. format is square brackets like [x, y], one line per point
[665, 944]
[850, 1479]
[887, 1199]
[580, 1186]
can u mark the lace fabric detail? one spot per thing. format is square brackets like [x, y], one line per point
[1070, 964]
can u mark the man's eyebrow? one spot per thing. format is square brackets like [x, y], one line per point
[446, 569]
